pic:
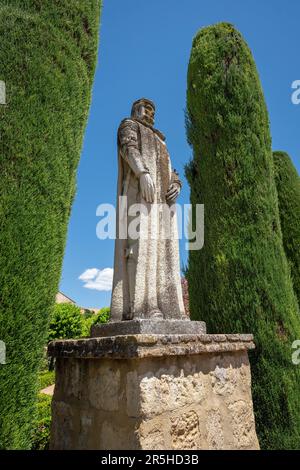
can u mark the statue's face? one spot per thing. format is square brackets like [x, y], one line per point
[144, 112]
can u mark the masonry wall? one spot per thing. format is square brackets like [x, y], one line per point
[201, 401]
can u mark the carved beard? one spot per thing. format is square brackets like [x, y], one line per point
[148, 119]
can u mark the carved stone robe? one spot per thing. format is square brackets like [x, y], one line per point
[156, 252]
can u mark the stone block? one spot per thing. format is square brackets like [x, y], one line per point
[153, 392]
[148, 327]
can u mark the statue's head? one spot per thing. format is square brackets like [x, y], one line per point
[144, 110]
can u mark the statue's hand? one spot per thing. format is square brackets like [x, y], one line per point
[173, 192]
[147, 187]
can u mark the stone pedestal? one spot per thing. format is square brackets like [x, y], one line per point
[153, 392]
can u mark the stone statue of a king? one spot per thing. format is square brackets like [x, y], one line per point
[146, 282]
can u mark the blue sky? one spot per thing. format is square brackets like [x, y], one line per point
[144, 51]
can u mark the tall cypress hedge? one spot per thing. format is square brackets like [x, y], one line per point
[288, 189]
[239, 282]
[48, 52]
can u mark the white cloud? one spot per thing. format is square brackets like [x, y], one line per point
[89, 274]
[97, 279]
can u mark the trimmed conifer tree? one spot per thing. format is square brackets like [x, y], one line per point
[48, 54]
[288, 189]
[239, 282]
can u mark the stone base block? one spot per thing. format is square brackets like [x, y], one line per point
[153, 392]
[145, 327]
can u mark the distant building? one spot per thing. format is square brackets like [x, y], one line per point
[87, 310]
[64, 299]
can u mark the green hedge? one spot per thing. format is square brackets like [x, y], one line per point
[101, 317]
[288, 189]
[239, 282]
[47, 59]
[40, 437]
[46, 378]
[66, 322]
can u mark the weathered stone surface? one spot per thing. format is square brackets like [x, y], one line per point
[103, 391]
[146, 327]
[151, 435]
[132, 395]
[134, 346]
[214, 428]
[169, 389]
[113, 434]
[64, 424]
[242, 421]
[185, 431]
[224, 380]
[189, 392]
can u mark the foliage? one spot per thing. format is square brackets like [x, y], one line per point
[47, 60]
[101, 317]
[86, 327]
[46, 378]
[239, 282]
[66, 322]
[288, 189]
[88, 313]
[40, 435]
[41, 424]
